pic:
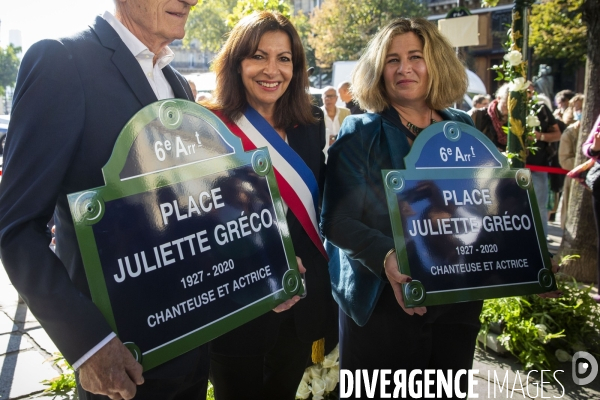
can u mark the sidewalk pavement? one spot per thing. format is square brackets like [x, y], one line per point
[24, 345]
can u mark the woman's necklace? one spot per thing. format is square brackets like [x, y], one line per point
[412, 127]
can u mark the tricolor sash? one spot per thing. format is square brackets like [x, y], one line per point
[296, 181]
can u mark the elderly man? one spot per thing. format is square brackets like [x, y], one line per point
[333, 116]
[72, 98]
[346, 97]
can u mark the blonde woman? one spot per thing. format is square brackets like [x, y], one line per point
[409, 75]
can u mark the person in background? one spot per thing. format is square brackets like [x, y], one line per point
[562, 102]
[591, 149]
[547, 133]
[72, 98]
[573, 111]
[556, 181]
[542, 98]
[567, 151]
[491, 120]
[395, 79]
[345, 91]
[334, 116]
[262, 96]
[480, 101]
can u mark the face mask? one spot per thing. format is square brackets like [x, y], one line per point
[577, 115]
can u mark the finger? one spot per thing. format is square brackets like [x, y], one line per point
[282, 307]
[301, 268]
[134, 370]
[398, 294]
[395, 275]
[420, 310]
[128, 389]
[122, 387]
[286, 305]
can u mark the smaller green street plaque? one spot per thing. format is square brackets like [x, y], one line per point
[188, 238]
[466, 226]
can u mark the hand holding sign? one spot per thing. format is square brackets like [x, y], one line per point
[396, 280]
[286, 305]
[467, 223]
[111, 371]
[186, 213]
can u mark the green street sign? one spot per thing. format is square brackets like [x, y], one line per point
[466, 226]
[188, 238]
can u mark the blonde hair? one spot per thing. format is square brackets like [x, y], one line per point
[448, 80]
[576, 98]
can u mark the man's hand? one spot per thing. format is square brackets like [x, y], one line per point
[286, 305]
[396, 280]
[111, 371]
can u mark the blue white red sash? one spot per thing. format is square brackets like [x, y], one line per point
[296, 181]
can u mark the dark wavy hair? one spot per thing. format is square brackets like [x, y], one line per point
[229, 97]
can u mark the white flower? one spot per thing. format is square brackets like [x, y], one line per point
[518, 85]
[315, 371]
[334, 371]
[514, 58]
[330, 383]
[336, 351]
[542, 332]
[318, 388]
[306, 377]
[303, 390]
[330, 360]
[562, 355]
[532, 121]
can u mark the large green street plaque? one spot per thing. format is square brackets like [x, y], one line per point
[188, 238]
[466, 226]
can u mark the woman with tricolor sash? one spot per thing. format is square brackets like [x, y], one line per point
[262, 97]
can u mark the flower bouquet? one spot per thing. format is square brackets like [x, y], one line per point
[320, 380]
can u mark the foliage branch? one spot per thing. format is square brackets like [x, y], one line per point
[9, 66]
[514, 71]
[558, 31]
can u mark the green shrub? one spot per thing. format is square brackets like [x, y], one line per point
[543, 332]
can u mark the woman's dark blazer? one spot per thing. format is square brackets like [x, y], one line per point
[355, 216]
[311, 313]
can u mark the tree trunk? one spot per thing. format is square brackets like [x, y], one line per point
[579, 235]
